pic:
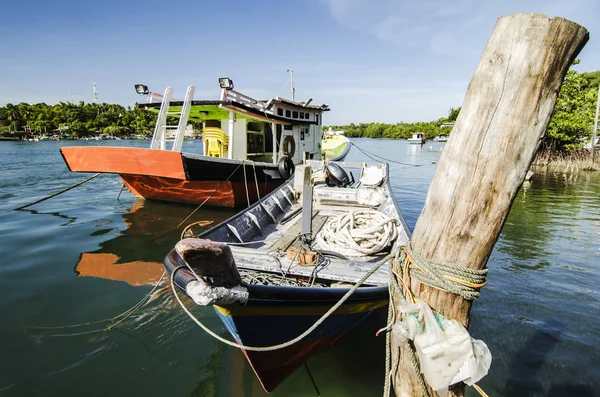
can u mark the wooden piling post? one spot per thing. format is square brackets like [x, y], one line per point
[503, 118]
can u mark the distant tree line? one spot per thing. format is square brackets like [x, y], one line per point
[569, 128]
[76, 120]
[442, 126]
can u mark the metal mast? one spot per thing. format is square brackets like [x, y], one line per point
[291, 72]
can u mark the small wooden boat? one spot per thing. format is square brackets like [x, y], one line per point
[274, 271]
[250, 147]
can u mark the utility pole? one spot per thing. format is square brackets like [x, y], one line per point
[595, 126]
[291, 72]
[95, 92]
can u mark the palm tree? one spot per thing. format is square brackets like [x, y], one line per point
[13, 116]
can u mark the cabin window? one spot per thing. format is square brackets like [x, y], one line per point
[317, 119]
[280, 112]
[307, 116]
[301, 115]
[288, 113]
[254, 126]
[301, 135]
[213, 123]
[287, 127]
[295, 115]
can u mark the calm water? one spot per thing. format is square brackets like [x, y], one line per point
[85, 256]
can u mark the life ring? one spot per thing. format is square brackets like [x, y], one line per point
[289, 141]
[286, 167]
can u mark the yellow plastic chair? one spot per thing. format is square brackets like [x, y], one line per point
[215, 142]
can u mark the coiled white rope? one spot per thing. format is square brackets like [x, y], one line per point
[358, 233]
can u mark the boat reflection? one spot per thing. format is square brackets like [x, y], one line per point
[151, 229]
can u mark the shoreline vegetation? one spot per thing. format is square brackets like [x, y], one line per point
[569, 129]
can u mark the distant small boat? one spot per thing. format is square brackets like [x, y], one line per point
[441, 138]
[273, 270]
[335, 145]
[418, 138]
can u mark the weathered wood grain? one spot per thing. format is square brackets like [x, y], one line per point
[504, 115]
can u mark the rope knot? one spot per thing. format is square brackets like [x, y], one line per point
[447, 277]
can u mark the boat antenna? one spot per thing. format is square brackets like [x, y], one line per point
[95, 92]
[291, 72]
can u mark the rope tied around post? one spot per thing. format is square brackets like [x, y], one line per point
[459, 280]
[447, 277]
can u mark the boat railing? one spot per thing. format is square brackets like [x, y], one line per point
[246, 100]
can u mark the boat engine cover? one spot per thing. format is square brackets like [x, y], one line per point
[336, 176]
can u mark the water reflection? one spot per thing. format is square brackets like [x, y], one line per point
[542, 219]
[151, 229]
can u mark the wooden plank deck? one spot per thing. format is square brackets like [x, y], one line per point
[350, 271]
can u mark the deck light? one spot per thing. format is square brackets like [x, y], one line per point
[141, 89]
[226, 83]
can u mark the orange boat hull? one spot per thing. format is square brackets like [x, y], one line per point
[164, 175]
[216, 193]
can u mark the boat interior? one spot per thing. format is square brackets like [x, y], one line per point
[281, 234]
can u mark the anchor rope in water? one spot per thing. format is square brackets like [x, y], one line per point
[57, 193]
[187, 232]
[201, 204]
[281, 345]
[118, 318]
[379, 158]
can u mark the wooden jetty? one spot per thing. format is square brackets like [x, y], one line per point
[505, 114]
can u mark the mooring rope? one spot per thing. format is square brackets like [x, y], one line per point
[456, 279]
[246, 183]
[118, 319]
[357, 233]
[201, 204]
[379, 158]
[459, 280]
[57, 193]
[281, 345]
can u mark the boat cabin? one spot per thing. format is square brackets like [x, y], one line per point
[417, 138]
[239, 127]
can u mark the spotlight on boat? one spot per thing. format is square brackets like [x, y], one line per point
[226, 83]
[141, 89]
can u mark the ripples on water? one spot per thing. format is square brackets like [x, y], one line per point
[85, 256]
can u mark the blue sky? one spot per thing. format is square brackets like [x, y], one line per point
[375, 60]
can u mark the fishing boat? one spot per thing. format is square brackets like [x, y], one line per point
[335, 145]
[295, 272]
[250, 147]
[441, 138]
[418, 138]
